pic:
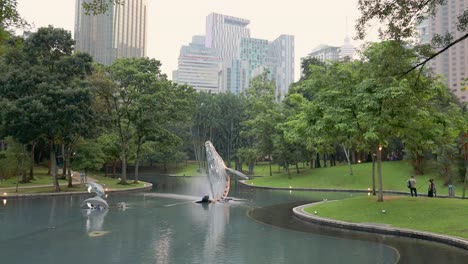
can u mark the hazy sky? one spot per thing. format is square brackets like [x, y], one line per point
[172, 23]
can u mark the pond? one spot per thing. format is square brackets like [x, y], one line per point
[166, 226]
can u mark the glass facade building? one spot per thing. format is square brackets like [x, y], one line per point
[199, 66]
[119, 33]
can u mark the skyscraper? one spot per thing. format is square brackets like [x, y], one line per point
[242, 57]
[453, 63]
[120, 32]
[282, 54]
[199, 67]
[224, 33]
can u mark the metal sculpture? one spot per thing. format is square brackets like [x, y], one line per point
[218, 177]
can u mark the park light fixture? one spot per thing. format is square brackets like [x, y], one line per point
[4, 201]
[5, 194]
[380, 147]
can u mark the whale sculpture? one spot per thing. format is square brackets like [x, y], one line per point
[96, 202]
[218, 177]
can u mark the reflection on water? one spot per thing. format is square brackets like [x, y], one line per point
[94, 221]
[218, 218]
[171, 228]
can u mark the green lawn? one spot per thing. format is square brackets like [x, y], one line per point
[442, 216]
[261, 169]
[41, 178]
[187, 169]
[395, 174]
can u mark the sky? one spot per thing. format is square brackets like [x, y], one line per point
[172, 23]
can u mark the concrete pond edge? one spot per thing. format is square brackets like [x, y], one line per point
[300, 213]
[148, 186]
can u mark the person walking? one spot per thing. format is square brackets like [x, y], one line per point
[431, 191]
[412, 184]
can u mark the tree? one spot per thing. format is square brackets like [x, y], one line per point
[9, 15]
[140, 101]
[45, 86]
[306, 63]
[261, 111]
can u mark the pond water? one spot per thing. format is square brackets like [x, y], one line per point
[166, 226]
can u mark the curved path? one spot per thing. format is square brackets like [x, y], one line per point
[378, 228]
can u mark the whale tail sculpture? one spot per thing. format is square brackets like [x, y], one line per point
[96, 202]
[220, 181]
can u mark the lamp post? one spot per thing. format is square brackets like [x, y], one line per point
[379, 171]
[374, 157]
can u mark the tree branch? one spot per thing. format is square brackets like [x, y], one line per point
[436, 54]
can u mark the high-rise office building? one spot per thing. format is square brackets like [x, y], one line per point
[235, 76]
[199, 66]
[325, 53]
[453, 63]
[254, 52]
[242, 57]
[282, 56]
[224, 33]
[120, 32]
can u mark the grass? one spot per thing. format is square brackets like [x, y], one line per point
[395, 175]
[188, 169]
[41, 178]
[442, 216]
[191, 169]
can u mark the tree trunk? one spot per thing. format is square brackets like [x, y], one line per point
[286, 165]
[251, 167]
[68, 168]
[325, 160]
[465, 147]
[271, 173]
[312, 163]
[105, 170]
[379, 172]
[24, 176]
[53, 167]
[137, 161]
[317, 162]
[297, 167]
[123, 177]
[374, 156]
[346, 152]
[353, 157]
[64, 164]
[31, 167]
[114, 169]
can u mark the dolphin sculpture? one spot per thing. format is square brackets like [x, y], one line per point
[220, 181]
[96, 202]
[97, 188]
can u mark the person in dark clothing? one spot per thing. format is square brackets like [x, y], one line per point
[431, 191]
[412, 182]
